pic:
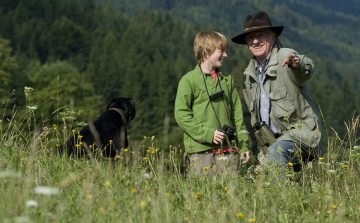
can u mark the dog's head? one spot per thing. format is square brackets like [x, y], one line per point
[126, 105]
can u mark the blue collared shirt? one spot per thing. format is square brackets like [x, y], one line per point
[264, 100]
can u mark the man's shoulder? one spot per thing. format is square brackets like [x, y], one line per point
[251, 67]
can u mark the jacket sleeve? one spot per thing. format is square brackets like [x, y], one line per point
[242, 134]
[304, 72]
[184, 115]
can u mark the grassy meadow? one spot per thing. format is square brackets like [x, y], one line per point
[148, 184]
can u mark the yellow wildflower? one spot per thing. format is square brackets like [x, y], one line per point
[345, 166]
[107, 183]
[226, 188]
[125, 150]
[334, 206]
[89, 196]
[146, 158]
[142, 204]
[80, 136]
[206, 168]
[110, 141]
[133, 190]
[57, 145]
[328, 212]
[239, 215]
[186, 219]
[73, 130]
[290, 164]
[148, 150]
[153, 138]
[144, 137]
[251, 220]
[197, 195]
[118, 156]
[101, 210]
[321, 158]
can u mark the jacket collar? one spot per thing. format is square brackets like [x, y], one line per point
[271, 69]
[198, 70]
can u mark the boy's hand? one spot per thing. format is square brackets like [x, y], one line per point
[218, 137]
[245, 156]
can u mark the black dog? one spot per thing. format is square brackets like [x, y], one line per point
[108, 133]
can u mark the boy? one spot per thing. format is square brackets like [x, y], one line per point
[208, 109]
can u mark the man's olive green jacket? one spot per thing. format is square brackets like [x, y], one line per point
[292, 111]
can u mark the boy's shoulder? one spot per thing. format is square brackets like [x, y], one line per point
[195, 73]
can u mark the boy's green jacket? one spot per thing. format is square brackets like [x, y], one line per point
[199, 120]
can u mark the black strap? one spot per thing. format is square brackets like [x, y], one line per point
[207, 91]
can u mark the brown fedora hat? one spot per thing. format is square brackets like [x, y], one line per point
[254, 22]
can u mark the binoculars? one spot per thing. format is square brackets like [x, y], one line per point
[229, 131]
[263, 136]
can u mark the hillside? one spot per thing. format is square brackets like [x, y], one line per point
[323, 27]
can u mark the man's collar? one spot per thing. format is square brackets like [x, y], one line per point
[265, 62]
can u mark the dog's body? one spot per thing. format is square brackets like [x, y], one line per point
[108, 133]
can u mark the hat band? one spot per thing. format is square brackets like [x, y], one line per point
[255, 27]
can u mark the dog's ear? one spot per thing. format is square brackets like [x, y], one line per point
[110, 103]
[132, 106]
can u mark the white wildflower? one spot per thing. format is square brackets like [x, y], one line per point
[28, 88]
[9, 173]
[32, 107]
[223, 158]
[31, 203]
[46, 190]
[331, 171]
[146, 176]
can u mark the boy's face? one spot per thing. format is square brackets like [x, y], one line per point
[217, 58]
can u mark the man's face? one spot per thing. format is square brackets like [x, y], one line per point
[260, 43]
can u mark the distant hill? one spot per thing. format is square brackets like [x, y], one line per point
[351, 7]
[325, 27]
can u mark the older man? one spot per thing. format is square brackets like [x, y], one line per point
[276, 94]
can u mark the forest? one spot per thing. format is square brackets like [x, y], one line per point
[78, 54]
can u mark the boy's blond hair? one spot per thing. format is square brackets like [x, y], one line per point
[206, 42]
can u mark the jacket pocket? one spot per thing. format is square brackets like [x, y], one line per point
[307, 138]
[281, 106]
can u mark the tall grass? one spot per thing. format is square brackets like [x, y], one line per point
[148, 184]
